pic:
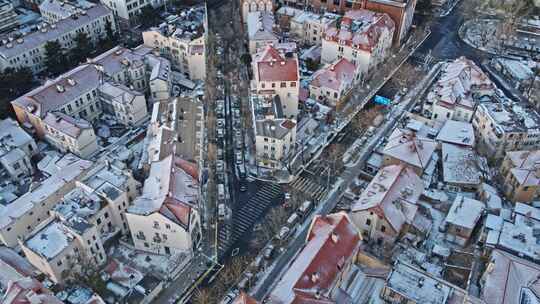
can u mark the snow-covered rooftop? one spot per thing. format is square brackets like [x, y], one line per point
[171, 188]
[465, 212]
[19, 207]
[417, 286]
[406, 146]
[510, 280]
[50, 241]
[511, 116]
[394, 191]
[12, 136]
[457, 132]
[461, 165]
[525, 167]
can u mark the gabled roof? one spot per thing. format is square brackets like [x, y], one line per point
[336, 76]
[170, 189]
[244, 298]
[406, 146]
[70, 126]
[331, 242]
[361, 29]
[526, 167]
[273, 65]
[393, 194]
[511, 280]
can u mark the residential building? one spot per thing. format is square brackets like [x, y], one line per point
[13, 267]
[275, 136]
[405, 146]
[325, 260]
[362, 37]
[69, 134]
[309, 27]
[100, 212]
[62, 248]
[182, 41]
[408, 284]
[176, 127]
[29, 51]
[505, 126]
[77, 92]
[126, 12]
[387, 207]
[160, 81]
[249, 6]
[518, 234]
[509, 279]
[260, 26]
[462, 167]
[53, 11]
[8, 16]
[20, 217]
[16, 150]
[28, 290]
[462, 218]
[457, 91]
[521, 173]
[127, 105]
[166, 217]
[457, 133]
[401, 11]
[332, 84]
[275, 73]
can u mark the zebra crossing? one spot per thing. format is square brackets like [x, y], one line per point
[309, 187]
[244, 218]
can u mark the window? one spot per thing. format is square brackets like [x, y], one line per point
[16, 166]
[156, 225]
[293, 84]
[167, 226]
[146, 245]
[383, 228]
[283, 85]
[273, 85]
[59, 263]
[106, 215]
[98, 221]
[368, 222]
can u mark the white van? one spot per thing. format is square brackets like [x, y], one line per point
[293, 219]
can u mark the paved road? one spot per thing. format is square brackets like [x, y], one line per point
[283, 261]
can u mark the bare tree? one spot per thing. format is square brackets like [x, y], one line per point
[203, 296]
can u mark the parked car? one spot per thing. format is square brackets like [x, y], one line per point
[221, 123]
[222, 211]
[284, 233]
[220, 133]
[293, 219]
[220, 166]
[305, 208]
[268, 251]
[220, 154]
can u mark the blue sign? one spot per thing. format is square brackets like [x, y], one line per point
[382, 100]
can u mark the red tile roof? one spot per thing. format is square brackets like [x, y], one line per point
[364, 36]
[244, 298]
[332, 242]
[275, 66]
[335, 75]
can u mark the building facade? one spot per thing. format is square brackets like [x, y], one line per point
[521, 173]
[166, 217]
[275, 73]
[333, 83]
[249, 6]
[69, 134]
[16, 150]
[29, 51]
[362, 37]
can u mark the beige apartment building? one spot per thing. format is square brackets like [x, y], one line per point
[521, 173]
[77, 92]
[29, 51]
[62, 248]
[128, 106]
[182, 41]
[363, 37]
[505, 125]
[165, 218]
[275, 73]
[69, 134]
[19, 218]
